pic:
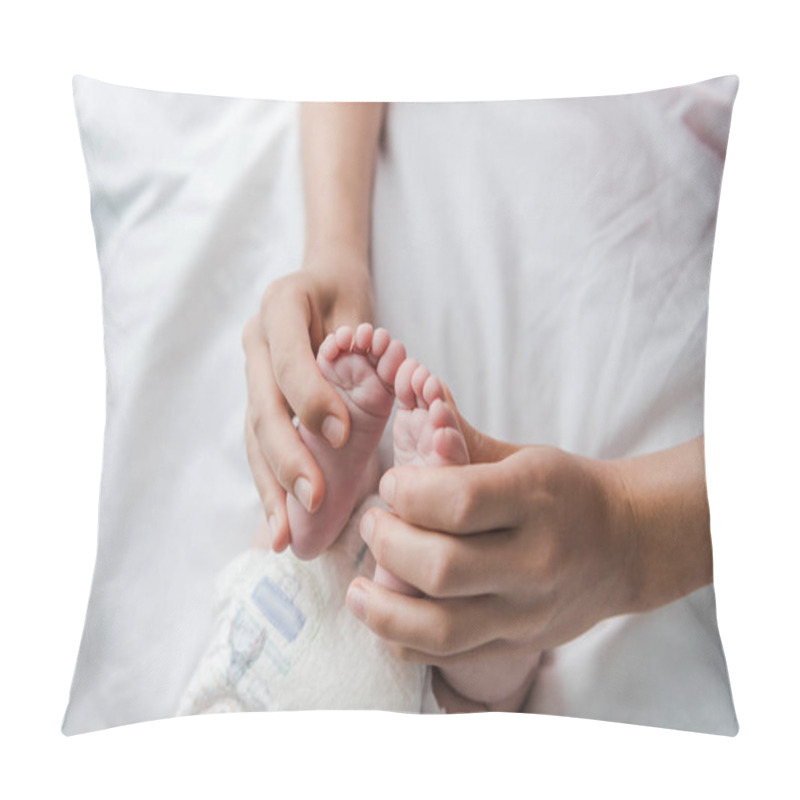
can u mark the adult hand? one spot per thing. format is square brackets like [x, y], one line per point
[524, 553]
[280, 342]
[528, 547]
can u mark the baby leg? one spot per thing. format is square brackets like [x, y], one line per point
[361, 366]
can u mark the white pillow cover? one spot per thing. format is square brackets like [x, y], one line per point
[549, 259]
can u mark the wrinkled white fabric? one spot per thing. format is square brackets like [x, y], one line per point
[549, 259]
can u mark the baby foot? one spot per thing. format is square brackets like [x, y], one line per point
[362, 367]
[426, 433]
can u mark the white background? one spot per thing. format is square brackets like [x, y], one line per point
[51, 420]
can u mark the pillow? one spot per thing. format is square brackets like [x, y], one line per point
[549, 259]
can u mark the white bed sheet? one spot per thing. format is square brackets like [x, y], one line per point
[549, 259]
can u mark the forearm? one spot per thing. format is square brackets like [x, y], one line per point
[339, 151]
[665, 506]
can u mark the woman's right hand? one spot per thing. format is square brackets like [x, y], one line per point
[280, 343]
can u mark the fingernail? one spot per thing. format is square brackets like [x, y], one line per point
[386, 488]
[357, 601]
[302, 491]
[272, 522]
[333, 430]
[366, 527]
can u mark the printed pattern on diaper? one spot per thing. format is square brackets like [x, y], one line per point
[275, 602]
[246, 640]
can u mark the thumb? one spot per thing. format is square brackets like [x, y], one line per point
[482, 448]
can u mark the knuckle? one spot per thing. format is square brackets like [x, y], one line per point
[286, 470]
[534, 464]
[463, 504]
[441, 569]
[249, 333]
[283, 362]
[543, 465]
[259, 423]
[285, 289]
[263, 483]
[380, 622]
[312, 409]
[517, 621]
[542, 564]
[400, 652]
[264, 493]
[251, 451]
[525, 630]
[380, 541]
[272, 294]
[443, 641]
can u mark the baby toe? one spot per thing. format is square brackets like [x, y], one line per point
[402, 383]
[390, 362]
[329, 349]
[363, 338]
[449, 445]
[420, 375]
[380, 341]
[432, 390]
[344, 337]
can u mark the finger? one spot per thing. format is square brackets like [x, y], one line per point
[482, 449]
[273, 497]
[459, 499]
[498, 650]
[261, 538]
[286, 319]
[433, 627]
[438, 564]
[289, 460]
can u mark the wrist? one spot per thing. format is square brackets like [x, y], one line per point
[344, 286]
[667, 524]
[348, 255]
[623, 527]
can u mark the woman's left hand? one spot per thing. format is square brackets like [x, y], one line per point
[526, 552]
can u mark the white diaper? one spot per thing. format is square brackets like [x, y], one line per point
[284, 639]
